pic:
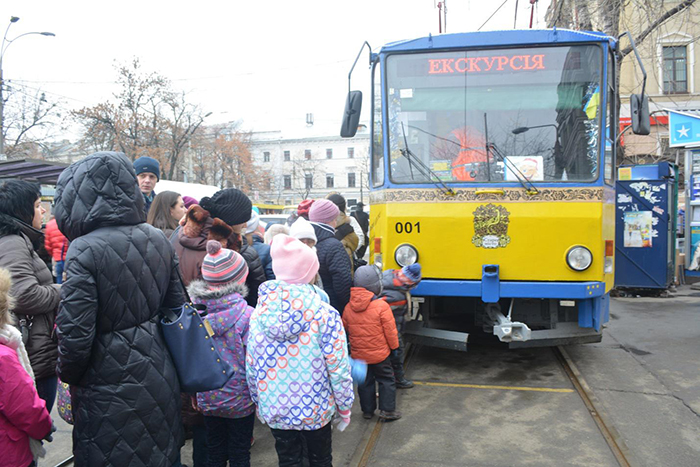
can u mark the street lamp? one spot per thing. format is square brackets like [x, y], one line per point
[523, 129]
[3, 48]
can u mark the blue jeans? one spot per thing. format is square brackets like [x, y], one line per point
[228, 439]
[46, 388]
[59, 271]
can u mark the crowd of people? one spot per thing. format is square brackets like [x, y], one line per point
[287, 306]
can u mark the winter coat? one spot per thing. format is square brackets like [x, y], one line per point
[228, 315]
[397, 295]
[55, 243]
[297, 364]
[35, 293]
[192, 250]
[370, 325]
[345, 232]
[256, 273]
[334, 266]
[23, 413]
[263, 252]
[121, 271]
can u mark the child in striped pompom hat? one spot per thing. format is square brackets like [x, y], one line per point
[229, 412]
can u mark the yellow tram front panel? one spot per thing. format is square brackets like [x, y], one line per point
[528, 236]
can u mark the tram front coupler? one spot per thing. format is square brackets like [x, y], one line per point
[503, 327]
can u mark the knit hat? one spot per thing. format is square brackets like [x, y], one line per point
[409, 275]
[292, 261]
[323, 211]
[302, 229]
[338, 199]
[273, 230]
[147, 164]
[230, 205]
[369, 277]
[303, 208]
[253, 223]
[189, 201]
[222, 266]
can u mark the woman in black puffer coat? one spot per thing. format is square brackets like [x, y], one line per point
[125, 392]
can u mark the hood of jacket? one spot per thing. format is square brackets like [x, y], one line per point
[323, 231]
[360, 299]
[390, 282]
[203, 291]
[98, 191]
[12, 226]
[281, 308]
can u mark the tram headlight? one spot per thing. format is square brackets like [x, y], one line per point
[406, 255]
[579, 258]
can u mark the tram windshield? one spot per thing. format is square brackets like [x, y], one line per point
[460, 114]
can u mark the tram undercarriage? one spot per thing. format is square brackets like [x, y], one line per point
[450, 322]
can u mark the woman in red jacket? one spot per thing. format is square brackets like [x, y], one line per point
[372, 331]
[57, 246]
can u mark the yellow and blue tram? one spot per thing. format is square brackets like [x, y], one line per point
[492, 164]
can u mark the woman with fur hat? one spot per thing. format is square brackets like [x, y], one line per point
[291, 328]
[229, 412]
[35, 293]
[373, 336]
[23, 419]
[224, 218]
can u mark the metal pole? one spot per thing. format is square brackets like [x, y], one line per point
[2, 115]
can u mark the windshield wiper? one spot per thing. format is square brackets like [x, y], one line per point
[422, 168]
[530, 188]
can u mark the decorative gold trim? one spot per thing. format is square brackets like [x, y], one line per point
[469, 195]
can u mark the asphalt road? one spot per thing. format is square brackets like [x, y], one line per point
[497, 407]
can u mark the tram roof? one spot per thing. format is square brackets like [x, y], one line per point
[497, 39]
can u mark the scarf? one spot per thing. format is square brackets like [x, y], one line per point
[12, 338]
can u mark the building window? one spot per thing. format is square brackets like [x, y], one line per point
[307, 154]
[329, 180]
[675, 70]
[287, 156]
[287, 182]
[351, 180]
[266, 156]
[329, 153]
[351, 153]
[309, 181]
[287, 201]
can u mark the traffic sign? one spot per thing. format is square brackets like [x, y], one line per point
[683, 129]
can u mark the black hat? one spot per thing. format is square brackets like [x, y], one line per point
[230, 205]
[147, 164]
[338, 200]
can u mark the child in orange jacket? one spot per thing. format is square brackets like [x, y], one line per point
[372, 332]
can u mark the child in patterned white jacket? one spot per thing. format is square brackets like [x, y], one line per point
[297, 363]
[229, 412]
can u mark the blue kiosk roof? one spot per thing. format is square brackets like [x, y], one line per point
[497, 39]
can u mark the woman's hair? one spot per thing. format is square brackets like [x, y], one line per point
[6, 300]
[17, 198]
[159, 214]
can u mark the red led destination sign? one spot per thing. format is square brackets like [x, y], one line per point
[443, 66]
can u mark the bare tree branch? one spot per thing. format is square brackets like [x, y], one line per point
[655, 24]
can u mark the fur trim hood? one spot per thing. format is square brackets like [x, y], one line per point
[202, 291]
[6, 300]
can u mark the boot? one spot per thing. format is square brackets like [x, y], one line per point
[389, 416]
[403, 383]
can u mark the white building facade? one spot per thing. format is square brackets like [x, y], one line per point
[311, 164]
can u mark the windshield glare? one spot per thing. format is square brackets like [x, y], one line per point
[537, 107]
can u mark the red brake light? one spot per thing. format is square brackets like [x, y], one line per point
[377, 245]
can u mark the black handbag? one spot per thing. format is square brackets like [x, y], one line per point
[188, 337]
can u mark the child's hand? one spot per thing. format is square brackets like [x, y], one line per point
[342, 418]
[49, 435]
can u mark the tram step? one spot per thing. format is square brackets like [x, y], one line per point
[453, 340]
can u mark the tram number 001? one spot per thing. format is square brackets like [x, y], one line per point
[407, 227]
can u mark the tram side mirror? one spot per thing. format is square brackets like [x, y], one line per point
[639, 109]
[351, 117]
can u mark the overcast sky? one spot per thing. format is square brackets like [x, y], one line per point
[267, 63]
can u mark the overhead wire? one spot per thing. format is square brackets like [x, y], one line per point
[492, 15]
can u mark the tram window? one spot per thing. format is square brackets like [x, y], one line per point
[377, 140]
[540, 108]
[610, 123]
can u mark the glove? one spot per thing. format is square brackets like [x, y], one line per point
[49, 435]
[358, 369]
[342, 419]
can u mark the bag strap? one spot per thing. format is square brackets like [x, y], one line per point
[63, 248]
[184, 287]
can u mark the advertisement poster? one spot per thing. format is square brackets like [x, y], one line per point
[532, 167]
[638, 227]
[624, 173]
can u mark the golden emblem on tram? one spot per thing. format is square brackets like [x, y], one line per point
[491, 227]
